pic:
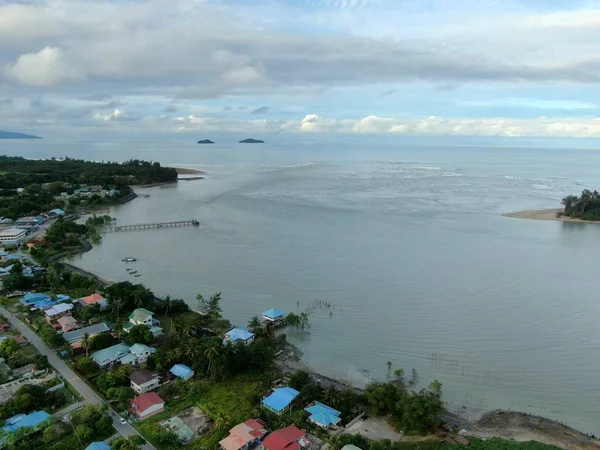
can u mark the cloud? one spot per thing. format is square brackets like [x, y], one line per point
[44, 68]
[116, 114]
[261, 110]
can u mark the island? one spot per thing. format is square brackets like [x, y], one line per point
[583, 208]
[252, 141]
[205, 141]
[14, 135]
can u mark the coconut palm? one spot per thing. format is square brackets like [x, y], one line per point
[331, 395]
[167, 302]
[86, 343]
[211, 352]
[255, 325]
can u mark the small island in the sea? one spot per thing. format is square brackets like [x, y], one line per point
[252, 141]
[583, 208]
[205, 141]
[14, 135]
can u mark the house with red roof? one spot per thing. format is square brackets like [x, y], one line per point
[146, 405]
[93, 299]
[244, 435]
[288, 438]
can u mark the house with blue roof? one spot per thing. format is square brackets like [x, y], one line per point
[182, 371]
[98, 446]
[13, 257]
[32, 420]
[239, 335]
[322, 415]
[274, 315]
[56, 212]
[34, 297]
[280, 400]
[63, 298]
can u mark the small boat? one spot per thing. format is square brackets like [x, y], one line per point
[138, 275]
[129, 259]
[133, 272]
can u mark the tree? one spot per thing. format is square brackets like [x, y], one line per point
[210, 353]
[139, 334]
[210, 307]
[255, 325]
[436, 388]
[101, 341]
[134, 442]
[167, 304]
[299, 379]
[331, 395]
[86, 343]
[419, 412]
[399, 374]
[86, 365]
[293, 320]
[414, 378]
[304, 320]
[8, 347]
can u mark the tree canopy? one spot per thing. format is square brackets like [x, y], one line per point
[585, 207]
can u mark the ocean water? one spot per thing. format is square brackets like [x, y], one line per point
[407, 243]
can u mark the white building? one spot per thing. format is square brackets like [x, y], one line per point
[143, 381]
[12, 236]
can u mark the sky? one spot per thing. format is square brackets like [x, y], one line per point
[510, 68]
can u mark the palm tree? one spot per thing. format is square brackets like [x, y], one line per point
[86, 343]
[210, 353]
[167, 302]
[255, 325]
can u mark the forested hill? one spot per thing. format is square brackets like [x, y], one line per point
[13, 135]
[17, 172]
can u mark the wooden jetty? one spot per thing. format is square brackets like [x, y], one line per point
[147, 226]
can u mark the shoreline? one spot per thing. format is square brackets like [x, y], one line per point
[545, 214]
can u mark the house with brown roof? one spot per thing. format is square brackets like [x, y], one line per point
[244, 435]
[93, 299]
[143, 381]
[67, 323]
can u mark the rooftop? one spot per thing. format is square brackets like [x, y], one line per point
[98, 446]
[181, 370]
[59, 309]
[274, 313]
[66, 321]
[30, 420]
[288, 438]
[145, 401]
[141, 315]
[140, 377]
[34, 297]
[138, 349]
[92, 299]
[280, 398]
[77, 335]
[239, 334]
[11, 232]
[242, 434]
[323, 415]
[109, 354]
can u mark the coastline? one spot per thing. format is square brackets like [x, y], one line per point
[545, 214]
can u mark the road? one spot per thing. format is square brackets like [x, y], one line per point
[90, 397]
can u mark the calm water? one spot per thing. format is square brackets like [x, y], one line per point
[406, 241]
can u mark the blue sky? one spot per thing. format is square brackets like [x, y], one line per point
[418, 67]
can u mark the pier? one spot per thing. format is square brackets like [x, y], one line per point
[147, 226]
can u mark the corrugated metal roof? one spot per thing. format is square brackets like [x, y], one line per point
[281, 398]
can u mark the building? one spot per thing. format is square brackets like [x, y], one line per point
[93, 299]
[67, 323]
[350, 447]
[98, 446]
[13, 236]
[110, 355]
[182, 371]
[146, 405]
[274, 315]
[288, 438]
[280, 400]
[141, 352]
[57, 311]
[27, 222]
[322, 415]
[142, 316]
[239, 334]
[56, 212]
[32, 420]
[244, 435]
[74, 337]
[34, 297]
[143, 381]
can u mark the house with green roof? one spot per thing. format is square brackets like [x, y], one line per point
[142, 316]
[111, 355]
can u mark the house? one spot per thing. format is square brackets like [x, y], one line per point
[3, 327]
[142, 316]
[74, 337]
[143, 381]
[44, 305]
[110, 355]
[98, 446]
[67, 323]
[280, 400]
[141, 352]
[239, 334]
[114, 192]
[13, 257]
[56, 212]
[322, 415]
[244, 435]
[26, 222]
[93, 299]
[63, 298]
[32, 420]
[6, 220]
[13, 236]
[350, 447]
[34, 297]
[57, 311]
[146, 405]
[288, 438]
[182, 371]
[21, 341]
[274, 315]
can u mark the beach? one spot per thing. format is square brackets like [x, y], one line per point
[545, 214]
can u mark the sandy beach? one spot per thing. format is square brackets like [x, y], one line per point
[545, 214]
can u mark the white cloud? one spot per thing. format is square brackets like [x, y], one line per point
[44, 68]
[116, 114]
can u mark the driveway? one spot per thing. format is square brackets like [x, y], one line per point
[90, 397]
[374, 428]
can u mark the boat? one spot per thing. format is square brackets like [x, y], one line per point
[133, 272]
[129, 259]
[138, 275]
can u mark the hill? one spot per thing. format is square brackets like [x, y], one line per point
[13, 135]
[252, 141]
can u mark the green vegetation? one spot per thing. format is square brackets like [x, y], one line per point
[133, 443]
[34, 397]
[585, 207]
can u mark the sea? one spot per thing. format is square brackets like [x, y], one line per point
[397, 248]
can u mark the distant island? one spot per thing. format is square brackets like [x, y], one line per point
[252, 141]
[585, 208]
[13, 135]
[205, 141]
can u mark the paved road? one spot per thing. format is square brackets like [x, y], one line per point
[90, 397]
